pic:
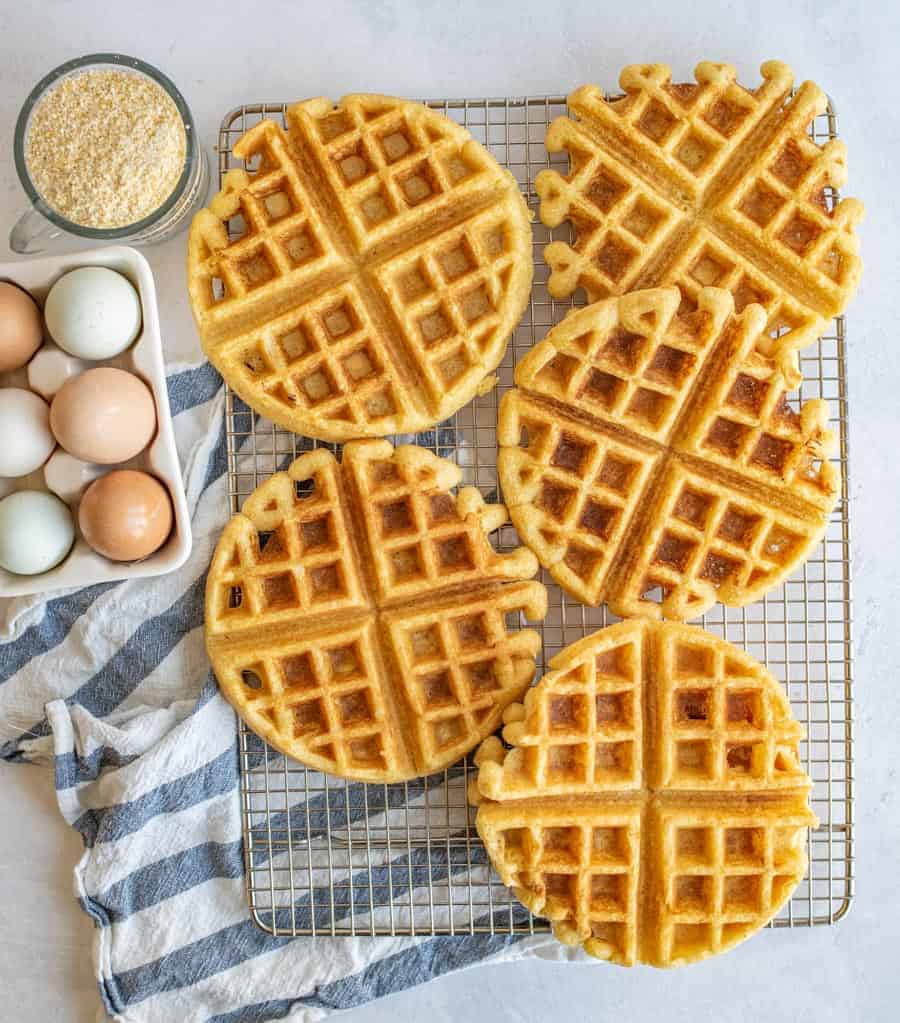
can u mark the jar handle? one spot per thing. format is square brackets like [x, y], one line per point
[32, 232]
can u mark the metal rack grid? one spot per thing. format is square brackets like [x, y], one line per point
[325, 856]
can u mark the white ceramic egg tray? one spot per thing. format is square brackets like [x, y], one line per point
[83, 566]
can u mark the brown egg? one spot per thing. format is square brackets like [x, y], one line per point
[20, 327]
[103, 415]
[125, 515]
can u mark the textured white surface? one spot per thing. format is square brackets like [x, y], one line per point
[220, 59]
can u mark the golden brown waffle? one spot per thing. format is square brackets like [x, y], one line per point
[359, 620]
[706, 184]
[653, 805]
[363, 276]
[650, 458]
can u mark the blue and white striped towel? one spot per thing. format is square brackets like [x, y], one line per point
[111, 683]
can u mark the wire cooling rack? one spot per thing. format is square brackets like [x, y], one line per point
[325, 856]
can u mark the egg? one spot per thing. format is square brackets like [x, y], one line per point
[93, 312]
[103, 415]
[36, 532]
[25, 437]
[50, 369]
[20, 327]
[125, 515]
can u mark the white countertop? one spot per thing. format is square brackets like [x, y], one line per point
[218, 60]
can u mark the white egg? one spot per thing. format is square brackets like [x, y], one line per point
[25, 437]
[50, 369]
[36, 532]
[93, 312]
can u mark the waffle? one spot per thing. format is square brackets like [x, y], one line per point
[651, 458]
[652, 805]
[706, 184]
[359, 620]
[363, 276]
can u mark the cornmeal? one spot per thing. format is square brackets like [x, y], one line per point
[105, 148]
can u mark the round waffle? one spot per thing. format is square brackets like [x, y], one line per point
[653, 805]
[650, 457]
[705, 184]
[363, 275]
[358, 619]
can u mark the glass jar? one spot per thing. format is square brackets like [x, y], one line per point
[41, 227]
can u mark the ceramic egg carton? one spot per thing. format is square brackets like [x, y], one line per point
[66, 476]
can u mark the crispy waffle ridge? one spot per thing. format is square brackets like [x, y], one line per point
[650, 457]
[378, 260]
[652, 805]
[359, 620]
[704, 184]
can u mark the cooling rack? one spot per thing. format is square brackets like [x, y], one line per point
[325, 856]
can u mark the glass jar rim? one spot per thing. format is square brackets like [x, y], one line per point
[125, 62]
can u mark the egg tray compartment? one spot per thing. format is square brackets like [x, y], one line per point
[83, 566]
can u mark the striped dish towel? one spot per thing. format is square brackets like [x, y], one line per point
[112, 685]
